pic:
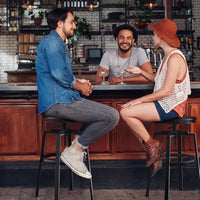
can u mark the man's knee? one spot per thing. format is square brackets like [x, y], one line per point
[123, 113]
[114, 117]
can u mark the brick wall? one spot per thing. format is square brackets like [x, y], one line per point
[196, 27]
[8, 43]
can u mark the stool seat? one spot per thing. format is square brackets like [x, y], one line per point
[183, 120]
[179, 159]
[55, 119]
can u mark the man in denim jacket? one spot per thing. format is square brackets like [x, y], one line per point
[59, 92]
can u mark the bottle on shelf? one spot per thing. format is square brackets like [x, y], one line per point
[68, 4]
[10, 28]
[15, 27]
[12, 13]
[59, 5]
[182, 42]
[190, 41]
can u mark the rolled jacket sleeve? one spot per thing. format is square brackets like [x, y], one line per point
[74, 82]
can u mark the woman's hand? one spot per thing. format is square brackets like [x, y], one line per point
[132, 103]
[134, 70]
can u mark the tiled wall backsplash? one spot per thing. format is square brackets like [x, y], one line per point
[8, 49]
[8, 43]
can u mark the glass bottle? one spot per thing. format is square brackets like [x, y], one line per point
[59, 4]
[10, 28]
[15, 27]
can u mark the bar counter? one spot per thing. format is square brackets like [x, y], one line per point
[21, 125]
[32, 87]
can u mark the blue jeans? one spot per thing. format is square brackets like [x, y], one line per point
[98, 118]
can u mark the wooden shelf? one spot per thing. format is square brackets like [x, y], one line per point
[113, 6]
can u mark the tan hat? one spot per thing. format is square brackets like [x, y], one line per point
[167, 30]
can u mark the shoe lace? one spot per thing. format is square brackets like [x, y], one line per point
[83, 156]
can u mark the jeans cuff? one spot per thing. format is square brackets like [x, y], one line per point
[80, 145]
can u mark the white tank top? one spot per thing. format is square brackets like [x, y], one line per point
[180, 91]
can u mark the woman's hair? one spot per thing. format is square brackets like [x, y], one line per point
[55, 16]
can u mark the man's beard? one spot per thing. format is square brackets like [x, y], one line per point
[125, 50]
[70, 36]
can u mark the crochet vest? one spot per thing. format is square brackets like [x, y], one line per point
[180, 91]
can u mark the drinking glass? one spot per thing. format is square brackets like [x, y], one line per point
[104, 75]
[122, 74]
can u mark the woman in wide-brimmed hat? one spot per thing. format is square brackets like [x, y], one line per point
[171, 90]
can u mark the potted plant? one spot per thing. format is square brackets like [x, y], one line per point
[142, 13]
[82, 30]
[1, 22]
[38, 16]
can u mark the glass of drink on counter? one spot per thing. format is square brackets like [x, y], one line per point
[122, 74]
[104, 75]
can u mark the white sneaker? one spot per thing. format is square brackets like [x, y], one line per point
[74, 160]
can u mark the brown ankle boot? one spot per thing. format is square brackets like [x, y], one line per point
[152, 147]
[157, 165]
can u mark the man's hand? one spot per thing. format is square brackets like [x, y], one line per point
[99, 79]
[84, 86]
[115, 80]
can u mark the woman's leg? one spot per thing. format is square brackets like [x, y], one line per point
[133, 118]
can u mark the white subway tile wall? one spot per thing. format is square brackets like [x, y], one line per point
[8, 43]
[8, 49]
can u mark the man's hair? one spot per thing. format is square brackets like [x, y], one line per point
[54, 16]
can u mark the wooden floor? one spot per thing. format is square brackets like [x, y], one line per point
[20, 193]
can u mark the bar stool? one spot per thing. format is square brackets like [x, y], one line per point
[55, 157]
[179, 158]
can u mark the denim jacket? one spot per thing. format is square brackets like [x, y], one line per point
[55, 77]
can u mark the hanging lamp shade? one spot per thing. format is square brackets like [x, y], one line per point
[150, 3]
[29, 5]
[91, 4]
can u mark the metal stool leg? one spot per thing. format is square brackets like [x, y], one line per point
[148, 181]
[180, 169]
[89, 168]
[40, 165]
[197, 156]
[167, 175]
[57, 170]
[149, 175]
[71, 179]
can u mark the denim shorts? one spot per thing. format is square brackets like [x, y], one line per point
[163, 115]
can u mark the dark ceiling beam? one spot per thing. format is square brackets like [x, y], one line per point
[168, 8]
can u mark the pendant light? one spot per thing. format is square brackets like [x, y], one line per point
[29, 5]
[150, 3]
[91, 4]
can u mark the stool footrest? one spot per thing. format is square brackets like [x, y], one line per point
[54, 131]
[173, 133]
[186, 159]
[65, 132]
[49, 158]
[77, 132]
